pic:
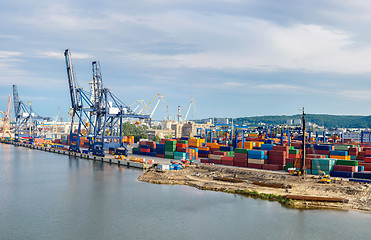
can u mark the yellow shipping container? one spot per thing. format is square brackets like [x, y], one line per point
[340, 157]
[247, 145]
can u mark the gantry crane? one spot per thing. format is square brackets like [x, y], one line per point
[110, 112]
[26, 120]
[81, 107]
[102, 115]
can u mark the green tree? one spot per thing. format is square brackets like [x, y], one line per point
[156, 138]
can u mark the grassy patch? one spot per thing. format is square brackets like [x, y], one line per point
[264, 196]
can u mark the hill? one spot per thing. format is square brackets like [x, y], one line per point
[329, 121]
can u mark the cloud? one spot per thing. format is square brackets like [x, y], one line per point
[359, 95]
[60, 55]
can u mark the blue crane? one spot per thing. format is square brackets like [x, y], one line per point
[25, 119]
[101, 114]
[81, 106]
[110, 112]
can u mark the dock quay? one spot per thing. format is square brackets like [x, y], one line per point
[110, 159]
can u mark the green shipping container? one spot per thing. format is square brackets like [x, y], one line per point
[323, 161]
[241, 150]
[347, 162]
[180, 154]
[294, 151]
[183, 141]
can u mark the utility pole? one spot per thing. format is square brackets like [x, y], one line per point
[303, 170]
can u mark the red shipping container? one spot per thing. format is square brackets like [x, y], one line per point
[276, 157]
[290, 160]
[276, 153]
[253, 165]
[323, 152]
[203, 155]
[240, 164]
[272, 167]
[204, 160]
[344, 168]
[315, 156]
[160, 155]
[215, 161]
[227, 158]
[220, 153]
[240, 155]
[179, 149]
[240, 159]
[145, 150]
[277, 162]
[366, 165]
[281, 148]
[227, 162]
[294, 155]
[368, 159]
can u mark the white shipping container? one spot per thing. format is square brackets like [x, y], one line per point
[163, 167]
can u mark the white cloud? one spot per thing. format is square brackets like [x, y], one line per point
[359, 95]
[60, 55]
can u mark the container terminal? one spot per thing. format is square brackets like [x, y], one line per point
[95, 133]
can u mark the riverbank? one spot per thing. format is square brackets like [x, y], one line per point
[267, 185]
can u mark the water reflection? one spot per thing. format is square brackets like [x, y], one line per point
[73, 162]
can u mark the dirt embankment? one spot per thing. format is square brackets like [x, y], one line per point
[266, 185]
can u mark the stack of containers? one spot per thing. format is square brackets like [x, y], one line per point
[160, 150]
[181, 152]
[216, 157]
[255, 159]
[278, 156]
[180, 155]
[240, 157]
[227, 160]
[170, 147]
[353, 152]
[213, 146]
[266, 147]
[204, 152]
[367, 156]
[192, 153]
[322, 164]
[294, 160]
[323, 149]
[339, 154]
[256, 144]
[152, 146]
[136, 150]
[344, 168]
[247, 145]
[144, 149]
[195, 142]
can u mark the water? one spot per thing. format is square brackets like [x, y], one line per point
[51, 196]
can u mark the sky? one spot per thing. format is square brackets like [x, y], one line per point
[236, 58]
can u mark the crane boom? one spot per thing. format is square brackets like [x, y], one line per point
[71, 78]
[189, 108]
[16, 102]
